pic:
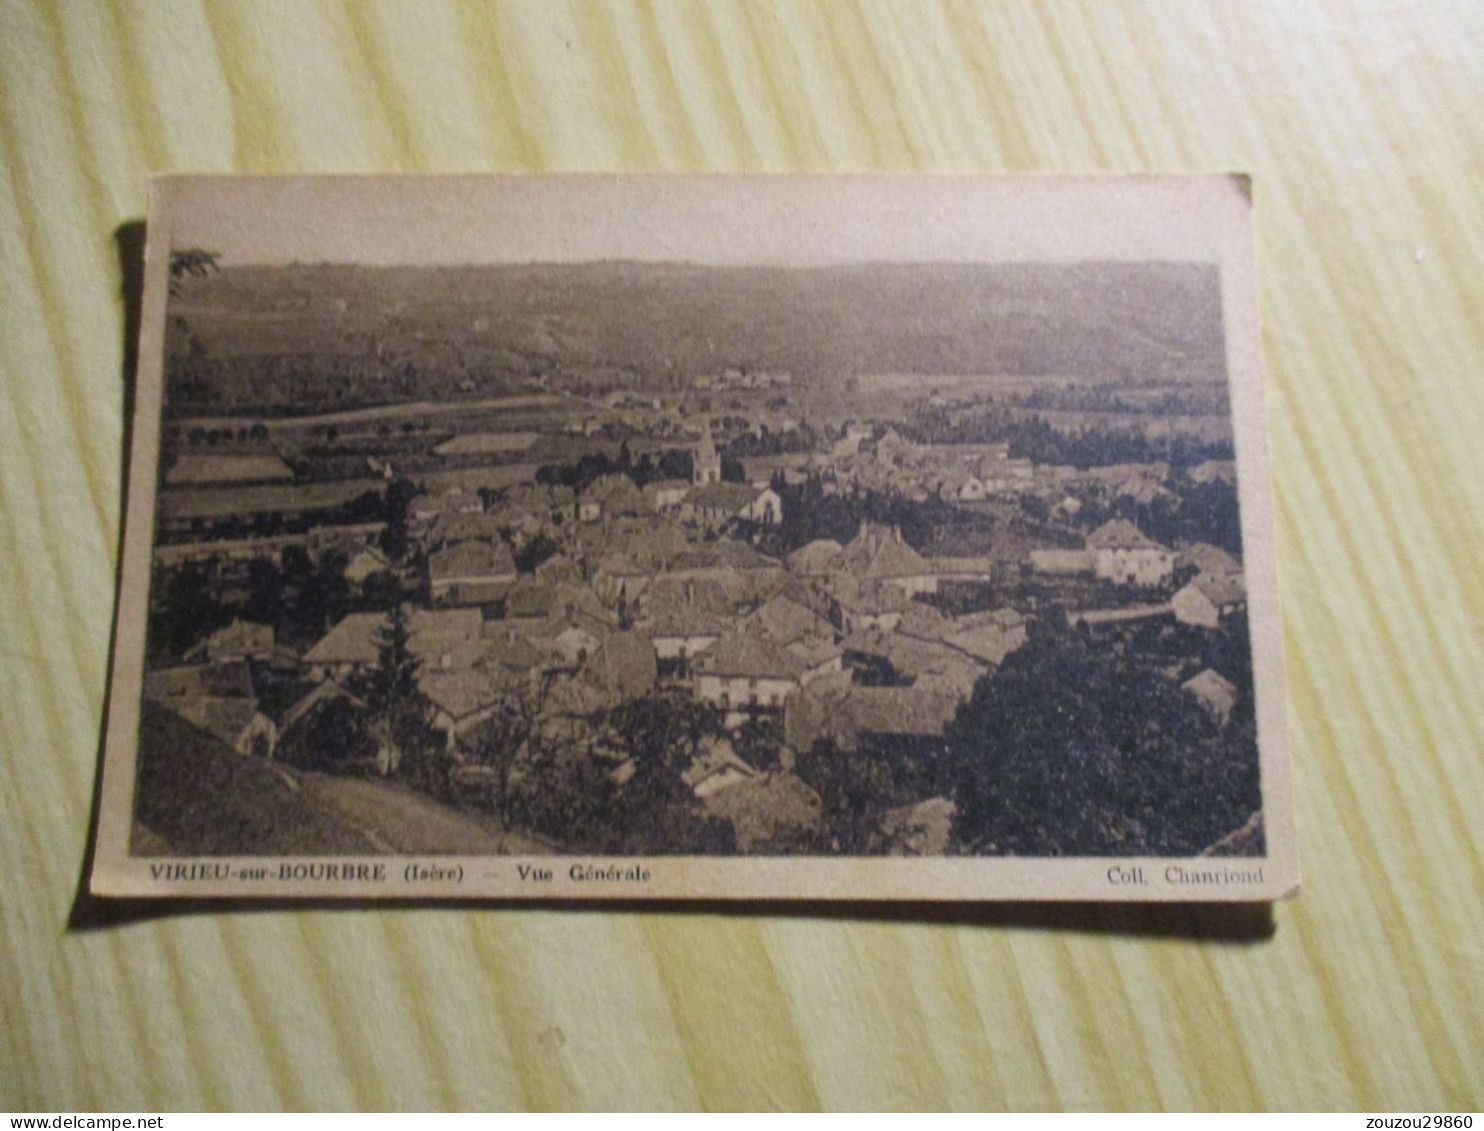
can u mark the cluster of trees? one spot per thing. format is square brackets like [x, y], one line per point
[766, 442]
[1071, 751]
[256, 434]
[1192, 512]
[543, 779]
[1031, 437]
[1193, 400]
[300, 596]
[811, 513]
[369, 506]
[1067, 750]
[581, 474]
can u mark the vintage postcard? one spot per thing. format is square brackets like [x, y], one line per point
[816, 538]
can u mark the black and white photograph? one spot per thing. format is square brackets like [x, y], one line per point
[866, 537]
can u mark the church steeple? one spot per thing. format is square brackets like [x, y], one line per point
[705, 463]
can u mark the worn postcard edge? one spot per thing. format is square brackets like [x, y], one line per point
[115, 873]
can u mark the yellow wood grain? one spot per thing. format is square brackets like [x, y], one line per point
[1362, 124]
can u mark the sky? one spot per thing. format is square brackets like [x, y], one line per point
[782, 221]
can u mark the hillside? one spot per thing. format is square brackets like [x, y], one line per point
[318, 337]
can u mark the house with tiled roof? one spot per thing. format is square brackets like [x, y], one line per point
[576, 700]
[717, 767]
[463, 699]
[743, 673]
[665, 496]
[366, 561]
[445, 639]
[847, 713]
[783, 620]
[925, 623]
[609, 497]
[471, 573]
[820, 655]
[1007, 475]
[512, 652]
[1061, 562]
[619, 579]
[240, 640]
[425, 509]
[924, 828]
[1202, 557]
[1122, 553]
[878, 555]
[557, 569]
[567, 639]
[975, 570]
[1209, 598]
[450, 527]
[760, 471]
[1216, 694]
[859, 605]
[443, 622]
[624, 665]
[681, 594]
[723, 554]
[679, 636]
[878, 655]
[352, 646]
[718, 503]
[218, 699]
[820, 558]
[768, 810]
[990, 636]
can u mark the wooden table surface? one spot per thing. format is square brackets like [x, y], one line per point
[1363, 124]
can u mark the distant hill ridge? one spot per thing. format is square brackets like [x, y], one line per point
[1133, 323]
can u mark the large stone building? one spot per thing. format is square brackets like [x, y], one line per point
[1122, 553]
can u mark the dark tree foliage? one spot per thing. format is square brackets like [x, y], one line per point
[336, 735]
[295, 563]
[394, 539]
[655, 813]
[811, 513]
[732, 470]
[1032, 437]
[1035, 507]
[505, 747]
[567, 799]
[643, 470]
[185, 610]
[381, 591]
[399, 712]
[856, 787]
[676, 463]
[324, 595]
[1071, 751]
[580, 475]
[539, 549]
[1193, 512]
[264, 592]
[365, 507]
[769, 443]
[759, 743]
